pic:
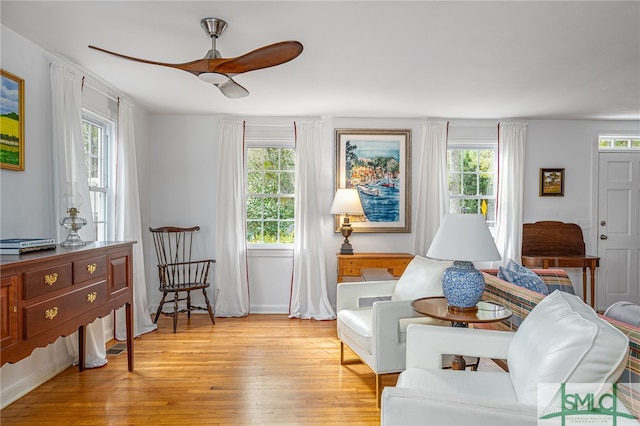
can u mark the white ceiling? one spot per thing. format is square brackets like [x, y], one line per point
[477, 59]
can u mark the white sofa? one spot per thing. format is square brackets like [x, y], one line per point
[562, 340]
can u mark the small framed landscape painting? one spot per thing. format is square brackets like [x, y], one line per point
[376, 162]
[552, 182]
[11, 122]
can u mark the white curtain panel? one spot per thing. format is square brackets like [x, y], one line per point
[309, 298]
[231, 273]
[512, 138]
[431, 188]
[69, 166]
[128, 223]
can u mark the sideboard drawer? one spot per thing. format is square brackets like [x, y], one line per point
[47, 280]
[89, 269]
[50, 313]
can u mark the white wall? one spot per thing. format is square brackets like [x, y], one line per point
[569, 144]
[26, 197]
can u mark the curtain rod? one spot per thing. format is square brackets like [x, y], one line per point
[117, 99]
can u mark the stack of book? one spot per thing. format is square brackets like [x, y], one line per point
[26, 245]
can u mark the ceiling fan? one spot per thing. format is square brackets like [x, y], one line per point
[219, 71]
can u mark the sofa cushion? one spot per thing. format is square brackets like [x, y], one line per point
[421, 278]
[523, 277]
[563, 340]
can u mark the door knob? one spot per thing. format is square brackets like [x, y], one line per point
[603, 223]
[603, 237]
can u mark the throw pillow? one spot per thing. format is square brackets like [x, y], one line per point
[523, 277]
[421, 278]
[563, 340]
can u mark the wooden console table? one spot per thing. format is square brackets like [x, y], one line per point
[53, 293]
[584, 262]
[350, 266]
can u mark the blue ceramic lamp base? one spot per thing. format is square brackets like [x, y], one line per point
[462, 285]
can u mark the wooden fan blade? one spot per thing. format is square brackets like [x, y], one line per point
[264, 57]
[196, 67]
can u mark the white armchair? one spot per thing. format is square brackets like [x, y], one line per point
[562, 340]
[376, 333]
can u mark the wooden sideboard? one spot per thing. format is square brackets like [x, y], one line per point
[350, 265]
[53, 293]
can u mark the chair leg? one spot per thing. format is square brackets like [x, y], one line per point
[341, 352]
[206, 299]
[188, 304]
[175, 311]
[378, 389]
[164, 294]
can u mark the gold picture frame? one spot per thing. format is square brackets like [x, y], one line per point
[11, 122]
[376, 162]
[552, 182]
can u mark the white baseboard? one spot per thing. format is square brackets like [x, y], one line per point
[33, 380]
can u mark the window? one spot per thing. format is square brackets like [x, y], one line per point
[472, 172]
[96, 132]
[618, 142]
[270, 187]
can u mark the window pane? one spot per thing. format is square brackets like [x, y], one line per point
[455, 184]
[286, 231]
[470, 184]
[254, 182]
[288, 159]
[255, 158]
[470, 161]
[486, 184]
[270, 231]
[270, 208]
[254, 232]
[454, 160]
[635, 143]
[272, 160]
[270, 182]
[286, 208]
[287, 183]
[254, 208]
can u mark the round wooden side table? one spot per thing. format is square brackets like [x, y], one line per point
[437, 307]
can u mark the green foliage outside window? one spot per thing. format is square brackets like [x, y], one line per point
[471, 181]
[270, 195]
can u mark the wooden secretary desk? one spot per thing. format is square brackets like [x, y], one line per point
[53, 293]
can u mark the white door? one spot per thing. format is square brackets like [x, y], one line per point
[618, 228]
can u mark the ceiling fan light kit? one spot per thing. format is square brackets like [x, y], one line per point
[219, 71]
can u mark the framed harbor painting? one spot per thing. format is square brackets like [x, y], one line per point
[11, 121]
[377, 163]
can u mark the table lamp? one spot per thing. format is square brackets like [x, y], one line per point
[346, 202]
[463, 238]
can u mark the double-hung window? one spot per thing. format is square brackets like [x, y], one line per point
[98, 138]
[472, 171]
[270, 186]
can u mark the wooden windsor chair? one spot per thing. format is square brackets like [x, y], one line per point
[178, 273]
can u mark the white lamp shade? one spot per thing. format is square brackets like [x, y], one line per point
[347, 201]
[463, 237]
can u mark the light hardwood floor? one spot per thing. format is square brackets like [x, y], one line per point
[260, 369]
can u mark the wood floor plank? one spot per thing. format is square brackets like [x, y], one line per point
[260, 369]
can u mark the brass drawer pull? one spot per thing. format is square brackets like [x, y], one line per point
[51, 279]
[91, 297]
[51, 313]
[91, 268]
